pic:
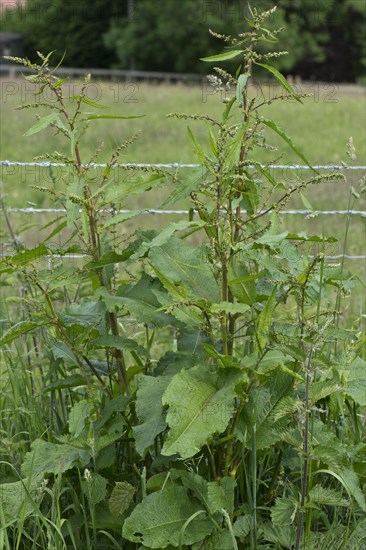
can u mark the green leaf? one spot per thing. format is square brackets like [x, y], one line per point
[52, 458]
[166, 233]
[42, 124]
[149, 410]
[222, 56]
[88, 101]
[283, 512]
[69, 382]
[141, 301]
[157, 521]
[242, 282]
[75, 191]
[281, 79]
[17, 499]
[17, 330]
[227, 109]
[220, 494]
[109, 258]
[94, 486]
[213, 143]
[89, 314]
[122, 217]
[10, 263]
[183, 264]
[121, 497]
[356, 381]
[268, 411]
[117, 342]
[79, 413]
[322, 389]
[306, 203]
[286, 138]
[197, 147]
[200, 405]
[327, 496]
[61, 350]
[229, 307]
[185, 186]
[114, 117]
[240, 87]
[242, 526]
[264, 321]
[134, 185]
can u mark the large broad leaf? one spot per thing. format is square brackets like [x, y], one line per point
[182, 264]
[149, 410]
[52, 458]
[158, 520]
[200, 405]
[16, 499]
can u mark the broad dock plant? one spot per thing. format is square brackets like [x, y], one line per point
[232, 417]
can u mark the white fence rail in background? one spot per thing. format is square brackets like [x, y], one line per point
[176, 165]
[12, 71]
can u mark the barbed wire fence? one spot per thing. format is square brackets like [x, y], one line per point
[182, 212]
[176, 165]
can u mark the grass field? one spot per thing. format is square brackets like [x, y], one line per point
[320, 128]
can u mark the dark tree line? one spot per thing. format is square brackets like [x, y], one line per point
[326, 38]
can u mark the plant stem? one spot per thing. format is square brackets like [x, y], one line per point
[304, 486]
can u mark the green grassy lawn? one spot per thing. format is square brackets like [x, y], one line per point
[320, 128]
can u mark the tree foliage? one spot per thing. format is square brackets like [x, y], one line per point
[325, 39]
